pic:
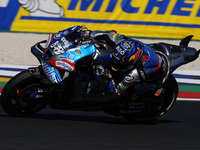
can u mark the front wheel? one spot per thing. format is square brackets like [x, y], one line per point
[157, 104]
[22, 95]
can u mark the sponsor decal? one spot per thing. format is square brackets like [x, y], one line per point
[78, 51]
[129, 78]
[120, 50]
[49, 72]
[127, 45]
[66, 44]
[64, 65]
[66, 32]
[58, 35]
[69, 56]
[57, 48]
[42, 8]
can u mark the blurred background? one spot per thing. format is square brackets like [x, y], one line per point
[25, 22]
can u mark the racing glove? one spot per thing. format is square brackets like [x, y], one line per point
[100, 70]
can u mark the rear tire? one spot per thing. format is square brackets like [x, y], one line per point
[167, 98]
[17, 98]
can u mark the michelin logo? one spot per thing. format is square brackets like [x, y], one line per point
[42, 8]
[4, 3]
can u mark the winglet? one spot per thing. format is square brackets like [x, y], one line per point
[184, 42]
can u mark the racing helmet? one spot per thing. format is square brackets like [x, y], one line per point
[126, 54]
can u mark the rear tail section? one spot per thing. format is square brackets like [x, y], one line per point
[184, 44]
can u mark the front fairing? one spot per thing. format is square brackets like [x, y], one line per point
[67, 60]
[60, 55]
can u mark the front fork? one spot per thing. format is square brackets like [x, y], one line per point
[48, 90]
[37, 72]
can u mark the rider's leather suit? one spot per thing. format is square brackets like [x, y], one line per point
[151, 65]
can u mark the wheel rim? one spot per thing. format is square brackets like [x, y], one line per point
[21, 101]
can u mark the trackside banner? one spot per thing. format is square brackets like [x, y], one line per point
[139, 18]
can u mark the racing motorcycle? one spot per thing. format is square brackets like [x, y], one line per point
[66, 80]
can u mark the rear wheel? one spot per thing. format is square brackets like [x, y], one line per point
[23, 95]
[156, 105]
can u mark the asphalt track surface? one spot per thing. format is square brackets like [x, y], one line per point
[75, 130]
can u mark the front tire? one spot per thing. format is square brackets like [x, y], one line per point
[20, 98]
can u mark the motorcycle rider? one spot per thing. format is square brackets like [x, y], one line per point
[133, 62]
